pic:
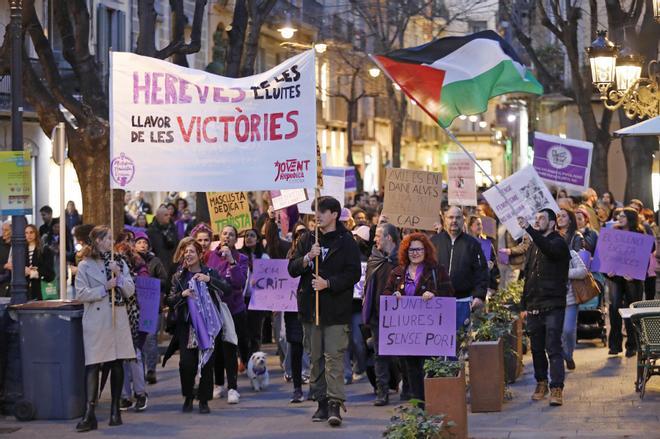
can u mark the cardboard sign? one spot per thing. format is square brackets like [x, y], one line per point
[565, 163]
[412, 198]
[148, 297]
[287, 197]
[229, 208]
[15, 183]
[272, 287]
[333, 186]
[461, 182]
[622, 253]
[525, 194]
[358, 289]
[181, 129]
[411, 326]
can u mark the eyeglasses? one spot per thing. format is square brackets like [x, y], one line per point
[416, 250]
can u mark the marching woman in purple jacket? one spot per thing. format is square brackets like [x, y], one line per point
[232, 266]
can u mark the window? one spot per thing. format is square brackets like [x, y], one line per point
[111, 31]
[477, 25]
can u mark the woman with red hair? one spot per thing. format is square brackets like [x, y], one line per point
[418, 274]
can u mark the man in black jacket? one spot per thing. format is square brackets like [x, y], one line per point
[544, 302]
[461, 254]
[163, 237]
[339, 270]
[381, 262]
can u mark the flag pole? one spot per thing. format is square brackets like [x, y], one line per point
[112, 251]
[317, 194]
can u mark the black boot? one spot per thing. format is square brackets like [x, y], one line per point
[321, 414]
[88, 422]
[187, 405]
[382, 397]
[116, 383]
[334, 415]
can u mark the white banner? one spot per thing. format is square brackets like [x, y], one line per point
[334, 182]
[179, 129]
[526, 193]
[461, 182]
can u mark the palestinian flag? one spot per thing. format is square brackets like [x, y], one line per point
[458, 75]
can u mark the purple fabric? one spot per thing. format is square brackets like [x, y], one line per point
[486, 247]
[180, 228]
[411, 285]
[236, 276]
[502, 257]
[205, 319]
[366, 301]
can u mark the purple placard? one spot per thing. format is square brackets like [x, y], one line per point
[490, 226]
[350, 182]
[502, 256]
[148, 297]
[411, 326]
[486, 247]
[586, 258]
[562, 161]
[273, 289]
[622, 253]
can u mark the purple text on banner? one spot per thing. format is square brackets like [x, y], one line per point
[486, 247]
[272, 287]
[148, 297]
[622, 253]
[411, 326]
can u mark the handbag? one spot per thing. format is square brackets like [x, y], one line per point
[585, 289]
[49, 290]
[228, 328]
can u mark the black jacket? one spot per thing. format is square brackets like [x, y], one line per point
[465, 262]
[164, 240]
[340, 266]
[546, 272]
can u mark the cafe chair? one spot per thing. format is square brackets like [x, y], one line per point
[645, 304]
[647, 327]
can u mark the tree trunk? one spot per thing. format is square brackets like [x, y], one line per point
[637, 152]
[398, 109]
[236, 39]
[251, 48]
[599, 174]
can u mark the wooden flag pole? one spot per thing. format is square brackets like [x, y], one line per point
[316, 261]
[112, 252]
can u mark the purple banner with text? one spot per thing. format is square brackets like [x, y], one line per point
[272, 287]
[622, 253]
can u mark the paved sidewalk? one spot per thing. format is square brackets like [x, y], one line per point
[600, 402]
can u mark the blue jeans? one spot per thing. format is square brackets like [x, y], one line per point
[356, 349]
[545, 330]
[134, 373]
[569, 333]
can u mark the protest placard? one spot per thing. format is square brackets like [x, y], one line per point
[622, 253]
[412, 198]
[15, 183]
[176, 128]
[490, 226]
[148, 298]
[272, 287]
[565, 163]
[287, 197]
[486, 248]
[229, 209]
[358, 289]
[525, 194]
[411, 326]
[333, 186]
[461, 182]
[351, 179]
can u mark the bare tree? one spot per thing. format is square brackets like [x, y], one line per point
[86, 99]
[258, 11]
[562, 18]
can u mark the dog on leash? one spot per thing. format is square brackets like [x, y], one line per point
[257, 371]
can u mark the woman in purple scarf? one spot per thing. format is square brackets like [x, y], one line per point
[198, 325]
[418, 274]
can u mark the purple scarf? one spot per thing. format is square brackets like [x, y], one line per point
[410, 286]
[205, 319]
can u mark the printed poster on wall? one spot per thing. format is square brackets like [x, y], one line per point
[525, 194]
[565, 163]
[461, 182]
[229, 208]
[15, 183]
[412, 198]
[175, 128]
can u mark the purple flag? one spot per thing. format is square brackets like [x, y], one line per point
[148, 297]
[411, 326]
[622, 253]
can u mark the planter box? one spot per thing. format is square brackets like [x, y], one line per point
[447, 396]
[513, 353]
[486, 376]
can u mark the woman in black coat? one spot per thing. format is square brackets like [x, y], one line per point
[39, 263]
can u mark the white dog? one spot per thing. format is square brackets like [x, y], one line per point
[257, 371]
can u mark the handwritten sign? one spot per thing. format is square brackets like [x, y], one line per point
[461, 183]
[148, 297]
[273, 289]
[287, 197]
[622, 253]
[412, 198]
[334, 181]
[411, 326]
[229, 209]
[358, 289]
[525, 194]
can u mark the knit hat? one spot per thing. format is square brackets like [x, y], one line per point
[363, 232]
[141, 235]
[345, 214]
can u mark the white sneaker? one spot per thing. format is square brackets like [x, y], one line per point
[233, 397]
[218, 391]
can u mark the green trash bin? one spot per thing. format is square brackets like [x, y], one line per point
[52, 359]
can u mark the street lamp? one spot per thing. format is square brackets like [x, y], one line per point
[374, 72]
[320, 47]
[619, 81]
[656, 10]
